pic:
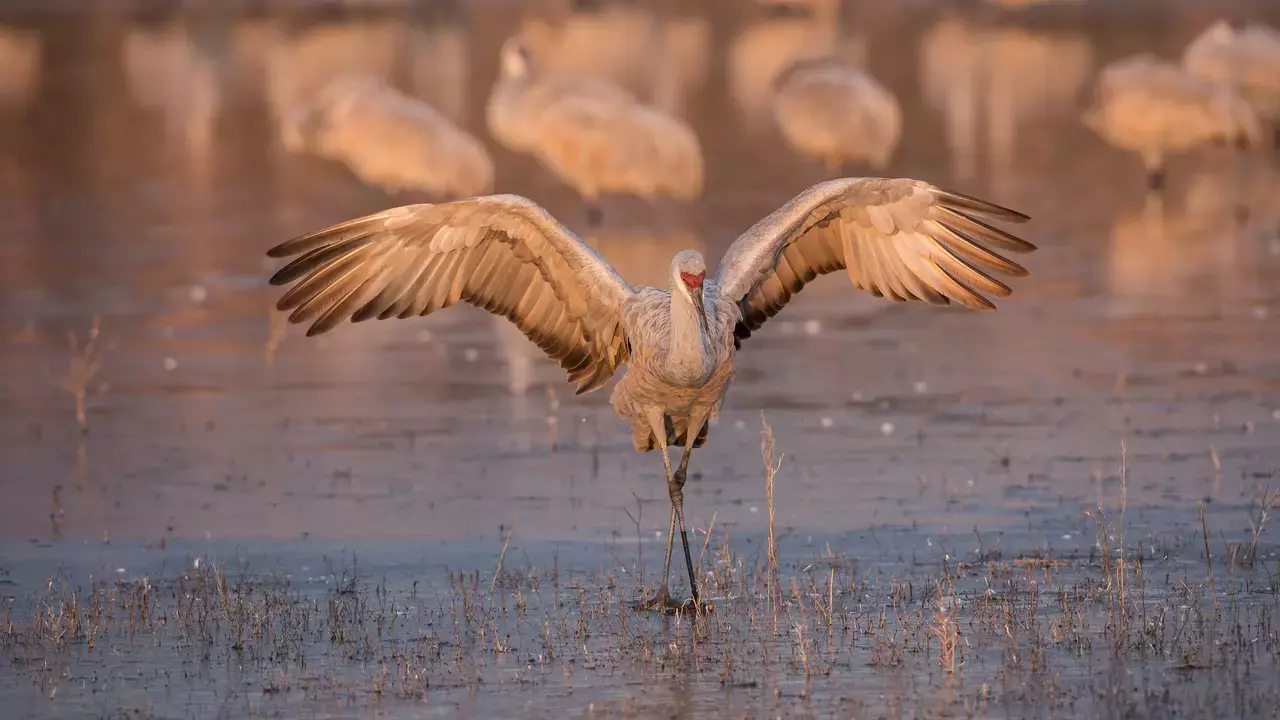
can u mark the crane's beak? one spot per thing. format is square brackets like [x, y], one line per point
[695, 291]
[694, 283]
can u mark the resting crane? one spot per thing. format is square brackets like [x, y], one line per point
[592, 134]
[1155, 107]
[389, 139]
[896, 238]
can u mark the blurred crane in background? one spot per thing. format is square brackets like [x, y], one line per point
[782, 35]
[840, 114]
[591, 134]
[1246, 60]
[167, 70]
[390, 139]
[1153, 107]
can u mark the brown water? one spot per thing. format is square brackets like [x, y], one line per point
[141, 182]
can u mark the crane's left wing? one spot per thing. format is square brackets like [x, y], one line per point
[501, 253]
[896, 238]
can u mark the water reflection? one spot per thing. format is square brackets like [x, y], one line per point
[990, 82]
[168, 72]
[440, 68]
[19, 66]
[1194, 253]
[644, 257]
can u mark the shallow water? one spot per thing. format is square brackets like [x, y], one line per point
[141, 182]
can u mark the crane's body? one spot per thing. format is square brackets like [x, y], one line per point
[681, 364]
[896, 238]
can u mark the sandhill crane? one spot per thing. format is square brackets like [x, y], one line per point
[390, 139]
[659, 59]
[829, 110]
[1153, 107]
[897, 238]
[593, 135]
[302, 62]
[1247, 60]
[784, 34]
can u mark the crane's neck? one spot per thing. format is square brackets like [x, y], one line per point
[689, 356]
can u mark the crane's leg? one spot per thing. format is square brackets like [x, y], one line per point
[694, 428]
[595, 216]
[663, 600]
[1154, 163]
[1155, 180]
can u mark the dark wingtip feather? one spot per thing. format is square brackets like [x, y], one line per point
[982, 207]
[988, 233]
[281, 277]
[281, 250]
[326, 235]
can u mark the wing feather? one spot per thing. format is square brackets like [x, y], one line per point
[502, 253]
[895, 238]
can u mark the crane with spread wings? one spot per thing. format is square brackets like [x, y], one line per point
[900, 239]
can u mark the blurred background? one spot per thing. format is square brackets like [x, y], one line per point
[151, 152]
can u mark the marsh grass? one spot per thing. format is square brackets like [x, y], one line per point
[771, 468]
[978, 630]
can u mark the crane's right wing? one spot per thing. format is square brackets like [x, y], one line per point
[896, 238]
[502, 253]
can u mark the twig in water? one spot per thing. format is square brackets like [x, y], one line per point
[83, 368]
[1208, 558]
[502, 555]
[705, 542]
[277, 325]
[1269, 500]
[771, 472]
[553, 423]
[635, 519]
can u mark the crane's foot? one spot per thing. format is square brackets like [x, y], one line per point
[595, 216]
[664, 603]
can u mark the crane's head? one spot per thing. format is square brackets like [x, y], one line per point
[688, 271]
[516, 57]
